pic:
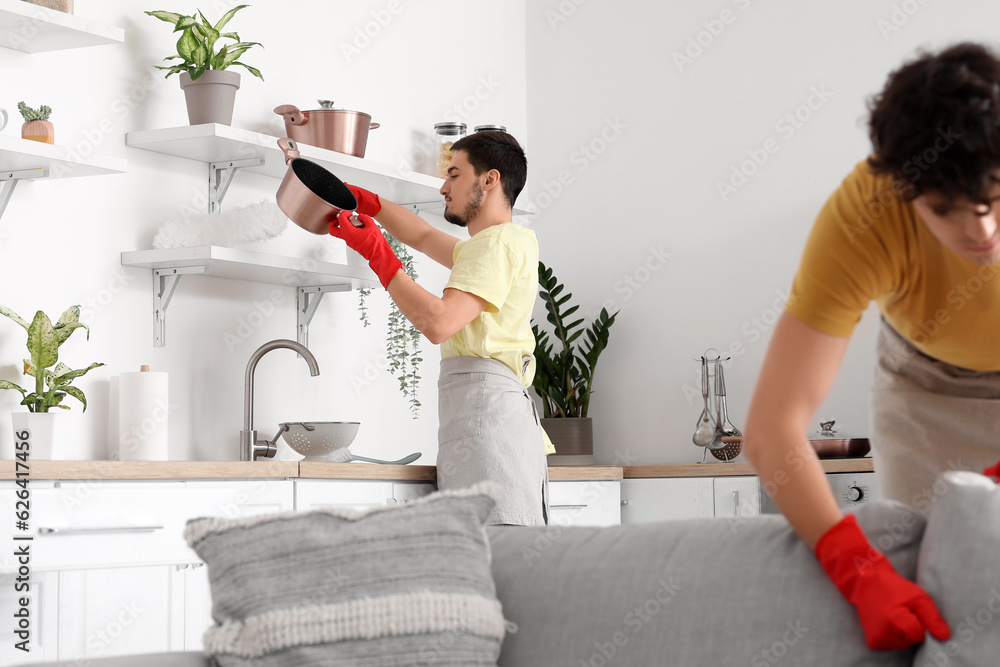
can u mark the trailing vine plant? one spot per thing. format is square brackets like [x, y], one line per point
[402, 342]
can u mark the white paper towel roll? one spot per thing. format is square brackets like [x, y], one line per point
[143, 411]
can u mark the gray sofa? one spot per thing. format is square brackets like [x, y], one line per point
[720, 592]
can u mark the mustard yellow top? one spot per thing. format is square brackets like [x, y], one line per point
[868, 244]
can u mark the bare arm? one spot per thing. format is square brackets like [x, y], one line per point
[410, 229]
[799, 369]
[436, 318]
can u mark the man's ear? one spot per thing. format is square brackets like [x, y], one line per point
[492, 179]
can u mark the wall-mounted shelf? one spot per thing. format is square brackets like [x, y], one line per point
[311, 278]
[35, 29]
[220, 144]
[22, 159]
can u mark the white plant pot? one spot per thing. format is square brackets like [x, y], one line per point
[38, 430]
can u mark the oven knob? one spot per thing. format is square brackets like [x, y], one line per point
[855, 494]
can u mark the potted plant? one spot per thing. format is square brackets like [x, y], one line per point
[209, 88]
[53, 379]
[564, 377]
[36, 123]
[402, 343]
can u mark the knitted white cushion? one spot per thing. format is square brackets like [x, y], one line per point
[400, 585]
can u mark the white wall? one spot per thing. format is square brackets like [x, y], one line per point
[60, 240]
[653, 186]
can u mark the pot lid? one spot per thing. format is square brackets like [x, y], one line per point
[827, 432]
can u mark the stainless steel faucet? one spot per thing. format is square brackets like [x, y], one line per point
[250, 448]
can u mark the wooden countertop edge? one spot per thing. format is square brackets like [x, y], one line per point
[152, 470]
[740, 468]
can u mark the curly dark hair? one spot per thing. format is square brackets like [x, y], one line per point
[935, 126]
[493, 149]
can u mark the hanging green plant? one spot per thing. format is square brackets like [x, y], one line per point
[402, 342]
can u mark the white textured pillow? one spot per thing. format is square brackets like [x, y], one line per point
[401, 585]
[960, 567]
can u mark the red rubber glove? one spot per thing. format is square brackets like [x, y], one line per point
[369, 243]
[993, 471]
[368, 202]
[894, 611]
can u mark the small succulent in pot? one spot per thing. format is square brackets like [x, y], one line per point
[36, 123]
[52, 377]
[196, 48]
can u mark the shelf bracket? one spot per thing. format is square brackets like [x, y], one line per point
[419, 206]
[306, 304]
[9, 181]
[220, 177]
[164, 283]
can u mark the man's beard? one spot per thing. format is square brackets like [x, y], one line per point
[470, 209]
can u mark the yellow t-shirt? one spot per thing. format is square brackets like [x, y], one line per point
[500, 265]
[868, 244]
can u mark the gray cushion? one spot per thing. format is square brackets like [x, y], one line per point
[342, 587]
[699, 592]
[960, 568]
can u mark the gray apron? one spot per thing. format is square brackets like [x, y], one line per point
[489, 429]
[926, 417]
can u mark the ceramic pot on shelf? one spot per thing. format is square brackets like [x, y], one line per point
[210, 98]
[39, 130]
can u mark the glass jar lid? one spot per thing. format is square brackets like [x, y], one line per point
[498, 128]
[450, 129]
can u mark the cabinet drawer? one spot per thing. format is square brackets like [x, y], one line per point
[585, 503]
[656, 499]
[97, 524]
[356, 494]
[737, 497]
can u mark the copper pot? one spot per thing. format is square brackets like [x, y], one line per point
[310, 195]
[333, 129]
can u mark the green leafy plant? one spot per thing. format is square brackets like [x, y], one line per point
[564, 378]
[196, 48]
[402, 343]
[42, 113]
[52, 377]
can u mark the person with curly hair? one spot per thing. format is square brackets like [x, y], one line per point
[914, 228]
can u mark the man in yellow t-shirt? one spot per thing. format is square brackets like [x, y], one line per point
[489, 428]
[913, 228]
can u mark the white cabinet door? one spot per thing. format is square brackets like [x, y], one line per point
[737, 497]
[197, 605]
[42, 624]
[357, 494]
[121, 610]
[405, 492]
[592, 503]
[662, 499]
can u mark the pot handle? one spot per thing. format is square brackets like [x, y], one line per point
[289, 148]
[291, 114]
[374, 126]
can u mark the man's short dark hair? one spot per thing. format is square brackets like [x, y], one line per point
[492, 149]
[935, 126]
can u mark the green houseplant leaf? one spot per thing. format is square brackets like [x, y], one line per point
[52, 377]
[200, 47]
[564, 377]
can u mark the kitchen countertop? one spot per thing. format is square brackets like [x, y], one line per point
[138, 470]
